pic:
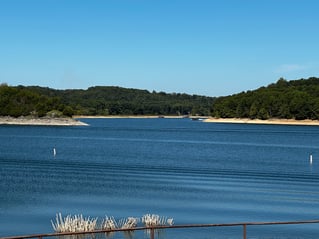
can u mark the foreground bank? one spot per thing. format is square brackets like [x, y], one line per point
[41, 121]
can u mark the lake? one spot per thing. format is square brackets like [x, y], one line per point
[191, 171]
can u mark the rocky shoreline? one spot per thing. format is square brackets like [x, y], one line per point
[45, 121]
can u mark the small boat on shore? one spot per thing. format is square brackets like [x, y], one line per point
[198, 118]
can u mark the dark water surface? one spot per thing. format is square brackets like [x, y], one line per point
[191, 171]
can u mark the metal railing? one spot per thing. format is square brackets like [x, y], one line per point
[151, 230]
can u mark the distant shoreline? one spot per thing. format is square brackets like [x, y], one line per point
[258, 121]
[127, 117]
[208, 119]
[7, 120]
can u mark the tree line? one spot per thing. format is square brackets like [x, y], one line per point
[21, 101]
[296, 99]
[101, 100]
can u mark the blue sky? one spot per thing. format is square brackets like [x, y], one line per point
[205, 47]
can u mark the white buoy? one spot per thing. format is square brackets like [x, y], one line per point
[54, 152]
[310, 159]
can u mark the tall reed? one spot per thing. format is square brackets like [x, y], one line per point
[150, 220]
[78, 223]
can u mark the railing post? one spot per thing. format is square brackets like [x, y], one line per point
[152, 236]
[244, 231]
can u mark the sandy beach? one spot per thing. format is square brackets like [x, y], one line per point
[40, 121]
[258, 121]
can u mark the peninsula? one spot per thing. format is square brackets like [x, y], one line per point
[45, 121]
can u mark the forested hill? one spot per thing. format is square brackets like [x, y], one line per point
[297, 99]
[100, 100]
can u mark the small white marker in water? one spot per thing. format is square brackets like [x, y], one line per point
[54, 152]
[310, 159]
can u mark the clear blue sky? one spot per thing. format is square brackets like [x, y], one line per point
[205, 47]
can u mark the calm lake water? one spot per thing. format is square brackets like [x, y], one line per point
[191, 171]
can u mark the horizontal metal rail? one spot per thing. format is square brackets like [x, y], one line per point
[152, 229]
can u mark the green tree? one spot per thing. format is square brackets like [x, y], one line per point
[253, 111]
[263, 114]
